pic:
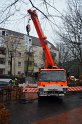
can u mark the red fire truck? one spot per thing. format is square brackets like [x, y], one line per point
[52, 80]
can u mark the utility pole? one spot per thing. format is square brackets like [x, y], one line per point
[28, 30]
[11, 56]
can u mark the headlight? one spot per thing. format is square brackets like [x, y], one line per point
[64, 90]
[41, 89]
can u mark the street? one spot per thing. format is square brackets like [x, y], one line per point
[50, 110]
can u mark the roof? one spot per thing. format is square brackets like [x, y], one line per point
[35, 40]
[10, 32]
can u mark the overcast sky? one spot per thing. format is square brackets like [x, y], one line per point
[19, 25]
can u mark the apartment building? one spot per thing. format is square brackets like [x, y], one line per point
[21, 54]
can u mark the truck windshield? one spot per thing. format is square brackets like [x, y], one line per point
[52, 76]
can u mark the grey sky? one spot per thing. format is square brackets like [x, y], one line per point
[19, 25]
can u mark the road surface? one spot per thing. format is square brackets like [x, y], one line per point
[48, 111]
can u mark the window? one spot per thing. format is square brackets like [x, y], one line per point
[30, 39]
[2, 61]
[19, 72]
[19, 63]
[54, 54]
[30, 63]
[3, 33]
[9, 72]
[2, 52]
[35, 64]
[30, 42]
[55, 75]
[9, 62]
[19, 54]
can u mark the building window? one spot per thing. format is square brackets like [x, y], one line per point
[30, 63]
[2, 61]
[19, 54]
[19, 63]
[2, 52]
[9, 72]
[54, 54]
[35, 64]
[9, 62]
[19, 72]
[3, 33]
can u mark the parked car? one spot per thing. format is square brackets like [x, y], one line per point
[5, 83]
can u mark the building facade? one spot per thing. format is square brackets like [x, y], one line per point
[2, 59]
[20, 54]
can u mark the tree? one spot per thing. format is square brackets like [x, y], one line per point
[64, 53]
[72, 31]
[14, 12]
[11, 44]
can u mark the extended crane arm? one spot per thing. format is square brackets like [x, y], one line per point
[49, 61]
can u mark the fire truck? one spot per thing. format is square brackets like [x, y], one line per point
[52, 80]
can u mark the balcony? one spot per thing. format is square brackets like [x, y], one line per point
[2, 66]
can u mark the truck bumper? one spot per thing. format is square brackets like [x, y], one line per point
[51, 94]
[52, 91]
